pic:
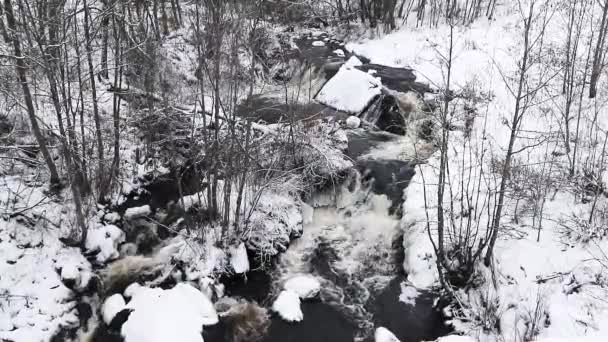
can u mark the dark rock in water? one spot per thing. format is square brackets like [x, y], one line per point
[389, 74]
[102, 334]
[84, 313]
[362, 141]
[385, 114]
[331, 69]
[254, 285]
[387, 177]
[322, 323]
[271, 110]
[390, 119]
[411, 323]
[120, 319]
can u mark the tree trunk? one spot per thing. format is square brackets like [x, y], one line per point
[100, 165]
[21, 69]
[598, 56]
[517, 116]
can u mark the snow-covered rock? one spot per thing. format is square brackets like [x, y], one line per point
[161, 315]
[339, 53]
[70, 273]
[137, 212]
[287, 305]
[305, 286]
[318, 43]
[131, 290]
[112, 217]
[111, 306]
[408, 294]
[239, 259]
[105, 240]
[384, 335]
[350, 90]
[353, 122]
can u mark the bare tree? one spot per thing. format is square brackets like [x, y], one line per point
[21, 69]
[524, 95]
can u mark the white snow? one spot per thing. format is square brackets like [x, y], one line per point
[408, 294]
[353, 122]
[111, 306]
[304, 285]
[69, 271]
[487, 54]
[239, 259]
[318, 43]
[137, 212]
[456, 338]
[161, 315]
[287, 305]
[384, 335]
[112, 217]
[350, 90]
[339, 53]
[105, 240]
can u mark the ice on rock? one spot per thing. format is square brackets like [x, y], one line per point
[384, 335]
[305, 286]
[353, 122]
[239, 259]
[287, 305]
[111, 306]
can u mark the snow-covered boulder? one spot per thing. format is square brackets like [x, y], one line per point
[318, 43]
[111, 306]
[70, 273]
[350, 90]
[137, 212]
[111, 217]
[353, 122]
[239, 259]
[408, 294]
[178, 314]
[287, 305]
[105, 239]
[384, 335]
[339, 53]
[305, 286]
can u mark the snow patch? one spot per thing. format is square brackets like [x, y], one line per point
[384, 335]
[111, 306]
[105, 240]
[161, 315]
[287, 305]
[339, 53]
[305, 286]
[137, 212]
[350, 90]
[408, 294]
[353, 122]
[318, 43]
[239, 259]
